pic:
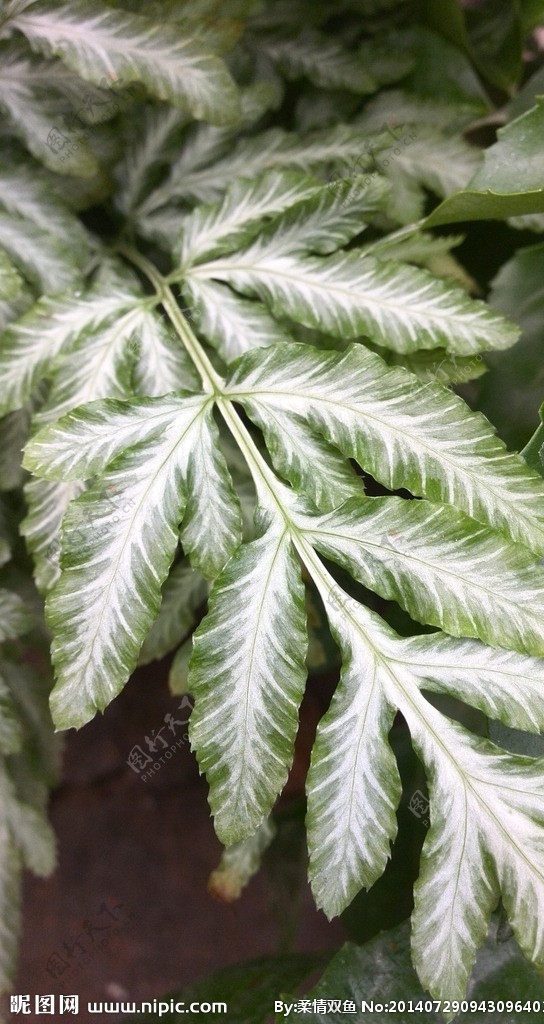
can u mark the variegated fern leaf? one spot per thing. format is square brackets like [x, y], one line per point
[27, 764]
[209, 426]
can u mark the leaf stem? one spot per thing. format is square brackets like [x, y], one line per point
[394, 236]
[273, 492]
[211, 380]
[270, 490]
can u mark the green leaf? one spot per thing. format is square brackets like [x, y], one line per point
[14, 617]
[161, 363]
[207, 486]
[130, 351]
[30, 347]
[24, 192]
[13, 7]
[405, 434]
[11, 310]
[527, 96]
[4, 547]
[487, 802]
[86, 440]
[13, 436]
[382, 61]
[204, 179]
[178, 679]
[203, 145]
[531, 13]
[243, 482]
[380, 973]
[48, 263]
[29, 829]
[37, 762]
[163, 227]
[94, 40]
[398, 107]
[323, 222]
[112, 342]
[438, 365]
[36, 117]
[117, 556]
[441, 70]
[97, 364]
[502, 684]
[533, 453]
[11, 732]
[310, 462]
[315, 56]
[183, 592]
[10, 907]
[233, 325]
[158, 130]
[345, 295]
[25, 836]
[512, 392]
[262, 269]
[440, 567]
[283, 13]
[497, 803]
[330, 218]
[239, 863]
[243, 730]
[440, 163]
[496, 42]
[353, 787]
[225, 226]
[212, 524]
[511, 180]
[407, 200]
[249, 988]
[46, 504]
[10, 281]
[493, 37]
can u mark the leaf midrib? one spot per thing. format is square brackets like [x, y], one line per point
[399, 311]
[416, 701]
[383, 427]
[132, 518]
[57, 31]
[251, 660]
[440, 570]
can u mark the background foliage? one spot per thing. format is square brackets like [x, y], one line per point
[233, 313]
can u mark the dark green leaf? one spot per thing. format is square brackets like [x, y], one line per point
[249, 989]
[381, 973]
[511, 180]
[511, 393]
